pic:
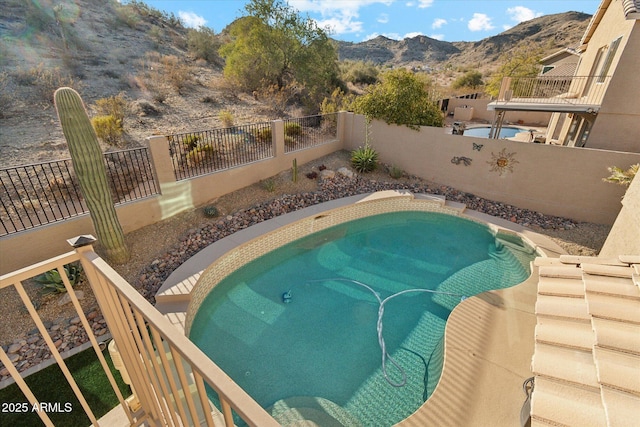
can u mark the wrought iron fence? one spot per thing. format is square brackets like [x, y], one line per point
[305, 132]
[43, 193]
[199, 153]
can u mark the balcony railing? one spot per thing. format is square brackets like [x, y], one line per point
[168, 374]
[561, 90]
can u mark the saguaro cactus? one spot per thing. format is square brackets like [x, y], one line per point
[89, 166]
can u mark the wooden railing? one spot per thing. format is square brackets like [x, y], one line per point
[169, 375]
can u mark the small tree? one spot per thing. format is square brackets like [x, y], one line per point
[470, 79]
[402, 98]
[622, 177]
[203, 44]
[521, 62]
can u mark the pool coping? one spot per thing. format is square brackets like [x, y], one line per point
[489, 338]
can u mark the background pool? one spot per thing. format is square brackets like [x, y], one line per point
[323, 343]
[483, 132]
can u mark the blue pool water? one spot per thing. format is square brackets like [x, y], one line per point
[323, 341]
[483, 132]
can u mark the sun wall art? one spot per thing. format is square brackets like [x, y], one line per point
[502, 162]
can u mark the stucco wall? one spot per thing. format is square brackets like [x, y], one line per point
[555, 180]
[618, 123]
[624, 237]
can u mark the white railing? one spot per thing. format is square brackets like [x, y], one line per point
[576, 90]
[168, 373]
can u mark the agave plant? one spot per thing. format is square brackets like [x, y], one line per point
[52, 282]
[364, 159]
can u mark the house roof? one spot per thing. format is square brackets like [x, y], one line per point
[631, 9]
[562, 52]
[586, 360]
[562, 70]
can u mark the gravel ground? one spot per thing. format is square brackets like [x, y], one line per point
[160, 248]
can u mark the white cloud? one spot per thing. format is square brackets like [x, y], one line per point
[438, 23]
[383, 18]
[437, 36]
[506, 27]
[480, 22]
[521, 13]
[341, 17]
[191, 20]
[422, 4]
[412, 35]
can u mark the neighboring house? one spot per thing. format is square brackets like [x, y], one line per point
[562, 63]
[600, 106]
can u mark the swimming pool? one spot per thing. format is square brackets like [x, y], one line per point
[324, 342]
[483, 132]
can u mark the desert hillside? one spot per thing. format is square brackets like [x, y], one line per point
[103, 49]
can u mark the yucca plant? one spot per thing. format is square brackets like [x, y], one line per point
[364, 159]
[89, 166]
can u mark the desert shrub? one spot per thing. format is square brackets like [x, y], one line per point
[200, 155]
[46, 80]
[264, 135]
[364, 159]
[203, 44]
[269, 185]
[210, 211]
[226, 117]
[127, 15]
[5, 97]
[115, 106]
[292, 129]
[289, 141]
[338, 101]
[395, 172]
[190, 142]
[108, 129]
[359, 72]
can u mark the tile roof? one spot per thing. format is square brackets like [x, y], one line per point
[631, 9]
[586, 361]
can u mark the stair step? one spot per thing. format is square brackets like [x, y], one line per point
[566, 405]
[573, 366]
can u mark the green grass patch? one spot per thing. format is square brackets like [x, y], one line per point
[51, 387]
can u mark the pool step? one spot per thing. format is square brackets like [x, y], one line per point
[311, 411]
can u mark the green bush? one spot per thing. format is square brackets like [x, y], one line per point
[292, 129]
[127, 15]
[269, 185]
[108, 129]
[211, 211]
[226, 117]
[200, 155]
[115, 106]
[364, 159]
[203, 44]
[289, 141]
[51, 281]
[264, 135]
[395, 172]
[190, 142]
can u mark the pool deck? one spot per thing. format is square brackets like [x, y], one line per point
[489, 338]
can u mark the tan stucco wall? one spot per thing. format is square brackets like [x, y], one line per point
[624, 237]
[618, 123]
[555, 180]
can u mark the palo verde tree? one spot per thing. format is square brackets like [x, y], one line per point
[521, 62]
[90, 169]
[400, 97]
[273, 46]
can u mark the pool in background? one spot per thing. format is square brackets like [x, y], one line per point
[483, 132]
[348, 312]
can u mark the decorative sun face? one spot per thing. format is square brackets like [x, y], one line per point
[502, 162]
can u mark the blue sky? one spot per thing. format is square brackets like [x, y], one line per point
[359, 20]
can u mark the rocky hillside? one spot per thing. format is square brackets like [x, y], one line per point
[103, 48]
[552, 32]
